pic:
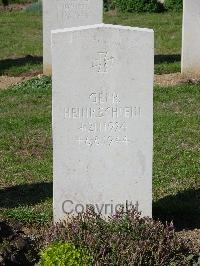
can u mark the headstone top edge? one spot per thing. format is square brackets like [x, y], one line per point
[102, 25]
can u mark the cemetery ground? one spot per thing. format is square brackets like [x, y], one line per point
[25, 121]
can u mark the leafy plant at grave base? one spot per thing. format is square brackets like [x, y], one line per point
[139, 5]
[124, 239]
[34, 84]
[175, 5]
[62, 254]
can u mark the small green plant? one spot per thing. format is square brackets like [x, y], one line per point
[65, 254]
[139, 5]
[175, 5]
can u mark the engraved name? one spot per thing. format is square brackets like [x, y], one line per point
[127, 112]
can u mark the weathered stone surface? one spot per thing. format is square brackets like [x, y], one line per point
[102, 118]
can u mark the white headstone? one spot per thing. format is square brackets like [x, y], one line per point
[191, 37]
[59, 14]
[102, 118]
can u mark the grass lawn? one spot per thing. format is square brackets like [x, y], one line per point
[20, 1]
[21, 35]
[26, 153]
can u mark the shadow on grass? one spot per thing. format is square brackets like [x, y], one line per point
[167, 58]
[6, 64]
[183, 209]
[26, 194]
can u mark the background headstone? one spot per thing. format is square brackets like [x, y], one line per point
[102, 118]
[191, 37]
[59, 14]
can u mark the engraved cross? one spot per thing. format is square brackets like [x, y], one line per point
[103, 62]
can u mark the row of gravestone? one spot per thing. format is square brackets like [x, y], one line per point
[102, 110]
[60, 14]
[191, 38]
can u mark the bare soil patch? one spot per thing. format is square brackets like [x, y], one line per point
[13, 7]
[161, 80]
[7, 81]
[175, 79]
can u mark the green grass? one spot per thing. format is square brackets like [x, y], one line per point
[21, 35]
[176, 138]
[176, 178]
[20, 1]
[26, 153]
